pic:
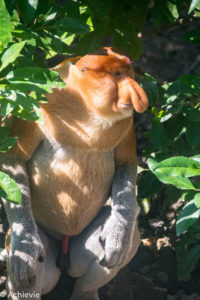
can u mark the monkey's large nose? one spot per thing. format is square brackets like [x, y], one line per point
[124, 96]
[131, 94]
[138, 96]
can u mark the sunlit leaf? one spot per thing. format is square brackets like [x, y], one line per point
[197, 200]
[35, 79]
[6, 142]
[187, 217]
[11, 54]
[194, 4]
[5, 25]
[178, 166]
[9, 189]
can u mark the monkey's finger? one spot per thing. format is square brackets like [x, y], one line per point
[109, 262]
[103, 262]
[102, 241]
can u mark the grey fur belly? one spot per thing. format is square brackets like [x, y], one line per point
[69, 186]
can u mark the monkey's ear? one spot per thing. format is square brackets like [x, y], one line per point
[64, 67]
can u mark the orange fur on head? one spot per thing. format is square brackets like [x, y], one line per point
[105, 80]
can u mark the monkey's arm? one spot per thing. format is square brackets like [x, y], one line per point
[26, 246]
[117, 233]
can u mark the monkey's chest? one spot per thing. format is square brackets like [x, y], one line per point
[69, 187]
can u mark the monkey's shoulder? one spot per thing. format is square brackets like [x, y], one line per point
[28, 136]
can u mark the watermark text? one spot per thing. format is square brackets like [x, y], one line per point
[24, 295]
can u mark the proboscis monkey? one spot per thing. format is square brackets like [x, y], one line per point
[67, 168]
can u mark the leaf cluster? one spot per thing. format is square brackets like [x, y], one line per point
[173, 155]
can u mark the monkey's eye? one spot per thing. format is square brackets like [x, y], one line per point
[83, 70]
[118, 73]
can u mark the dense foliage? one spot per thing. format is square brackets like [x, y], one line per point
[32, 32]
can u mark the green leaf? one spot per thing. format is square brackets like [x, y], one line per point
[158, 134]
[190, 237]
[25, 107]
[5, 26]
[53, 42]
[165, 12]
[197, 200]
[27, 9]
[6, 142]
[71, 25]
[178, 166]
[192, 133]
[178, 181]
[140, 170]
[35, 79]
[152, 163]
[123, 37]
[152, 89]
[187, 217]
[193, 36]
[89, 43]
[5, 109]
[9, 189]
[196, 157]
[27, 115]
[186, 85]
[174, 127]
[194, 4]
[188, 262]
[165, 167]
[192, 114]
[190, 84]
[148, 185]
[23, 32]
[137, 14]
[187, 196]
[99, 9]
[11, 54]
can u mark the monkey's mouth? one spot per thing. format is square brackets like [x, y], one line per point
[125, 106]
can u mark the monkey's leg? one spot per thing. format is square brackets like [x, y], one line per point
[86, 253]
[47, 274]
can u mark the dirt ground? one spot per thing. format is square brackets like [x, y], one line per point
[152, 274]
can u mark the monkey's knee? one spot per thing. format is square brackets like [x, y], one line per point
[86, 253]
[86, 286]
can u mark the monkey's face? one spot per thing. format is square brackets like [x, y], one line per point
[105, 80]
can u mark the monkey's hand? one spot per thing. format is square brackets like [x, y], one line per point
[25, 253]
[116, 239]
[117, 234]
